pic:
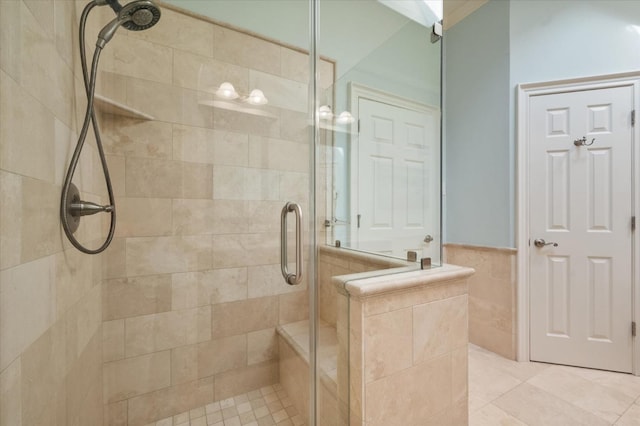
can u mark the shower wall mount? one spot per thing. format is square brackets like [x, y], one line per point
[78, 208]
[137, 15]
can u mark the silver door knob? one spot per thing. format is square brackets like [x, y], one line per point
[540, 242]
[428, 239]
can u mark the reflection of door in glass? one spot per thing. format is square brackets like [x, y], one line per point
[396, 202]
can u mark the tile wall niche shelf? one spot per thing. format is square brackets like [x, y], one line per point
[109, 106]
[238, 107]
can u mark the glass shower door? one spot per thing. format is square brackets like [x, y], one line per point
[202, 322]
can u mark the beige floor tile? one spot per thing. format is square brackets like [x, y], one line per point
[196, 413]
[535, 407]
[286, 402]
[233, 421]
[226, 403]
[488, 383]
[266, 421]
[261, 412]
[291, 410]
[625, 383]
[244, 407]
[254, 395]
[520, 370]
[213, 407]
[297, 420]
[274, 406]
[241, 399]
[476, 403]
[553, 394]
[214, 417]
[247, 417]
[279, 416]
[225, 412]
[257, 403]
[229, 412]
[270, 397]
[490, 415]
[267, 390]
[181, 418]
[631, 417]
[200, 421]
[605, 402]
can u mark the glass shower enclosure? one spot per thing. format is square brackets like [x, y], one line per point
[257, 150]
[284, 135]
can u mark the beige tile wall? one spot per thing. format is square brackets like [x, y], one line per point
[336, 265]
[333, 262]
[405, 347]
[492, 295]
[393, 343]
[408, 356]
[193, 291]
[50, 294]
[294, 377]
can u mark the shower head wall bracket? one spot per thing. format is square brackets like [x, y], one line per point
[78, 208]
[73, 196]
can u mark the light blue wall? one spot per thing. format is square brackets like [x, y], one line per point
[545, 41]
[559, 39]
[477, 149]
[406, 64]
[284, 20]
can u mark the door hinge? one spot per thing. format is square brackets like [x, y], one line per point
[633, 118]
[633, 223]
[358, 125]
[359, 220]
[633, 329]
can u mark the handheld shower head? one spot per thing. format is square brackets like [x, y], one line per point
[139, 15]
[135, 16]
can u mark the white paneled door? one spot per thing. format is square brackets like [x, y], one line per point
[398, 159]
[580, 206]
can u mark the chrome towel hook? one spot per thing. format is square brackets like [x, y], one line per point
[583, 142]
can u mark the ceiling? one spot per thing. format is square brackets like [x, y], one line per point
[456, 10]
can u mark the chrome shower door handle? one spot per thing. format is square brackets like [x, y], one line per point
[291, 279]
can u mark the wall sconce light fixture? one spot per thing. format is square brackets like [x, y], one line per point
[256, 97]
[227, 91]
[325, 113]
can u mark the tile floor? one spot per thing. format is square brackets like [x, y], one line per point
[504, 392]
[267, 406]
[501, 392]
